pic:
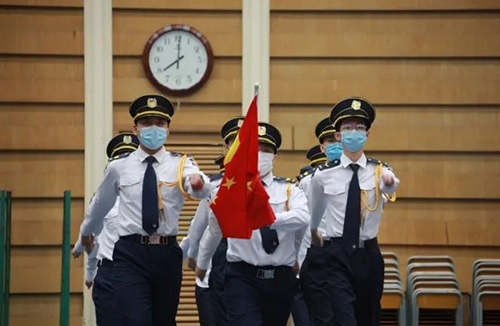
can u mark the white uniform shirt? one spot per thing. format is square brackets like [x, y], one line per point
[328, 196]
[124, 178]
[109, 234]
[251, 251]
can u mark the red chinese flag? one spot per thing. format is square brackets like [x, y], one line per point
[242, 204]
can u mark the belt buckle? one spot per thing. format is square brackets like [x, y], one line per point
[154, 239]
[265, 274]
[361, 244]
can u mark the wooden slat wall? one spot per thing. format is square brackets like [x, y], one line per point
[431, 69]
[41, 150]
[198, 119]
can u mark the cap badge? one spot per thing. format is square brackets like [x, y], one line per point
[356, 105]
[152, 102]
[262, 130]
[240, 123]
[127, 139]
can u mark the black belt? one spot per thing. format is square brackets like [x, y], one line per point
[105, 262]
[262, 272]
[363, 244]
[150, 239]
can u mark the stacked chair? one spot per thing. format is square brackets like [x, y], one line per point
[433, 294]
[485, 299]
[393, 303]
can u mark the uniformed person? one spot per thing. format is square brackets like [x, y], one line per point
[348, 193]
[259, 282]
[215, 272]
[205, 298]
[103, 293]
[313, 268]
[300, 311]
[152, 184]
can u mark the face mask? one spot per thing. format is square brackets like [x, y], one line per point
[333, 151]
[265, 163]
[353, 140]
[153, 137]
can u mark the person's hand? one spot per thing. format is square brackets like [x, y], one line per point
[196, 182]
[88, 243]
[316, 238]
[296, 268]
[200, 273]
[192, 264]
[388, 180]
[89, 284]
[76, 253]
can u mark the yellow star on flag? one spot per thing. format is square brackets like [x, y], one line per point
[229, 183]
[213, 201]
[249, 185]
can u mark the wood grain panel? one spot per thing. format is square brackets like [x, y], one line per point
[188, 4]
[386, 82]
[384, 5]
[39, 221]
[364, 34]
[464, 258]
[38, 270]
[406, 128]
[42, 127]
[48, 79]
[38, 174]
[224, 85]
[54, 31]
[202, 117]
[43, 3]
[426, 176]
[43, 310]
[131, 29]
[440, 222]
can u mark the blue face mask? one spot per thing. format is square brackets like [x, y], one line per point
[333, 151]
[353, 140]
[153, 137]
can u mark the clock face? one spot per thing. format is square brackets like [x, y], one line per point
[178, 59]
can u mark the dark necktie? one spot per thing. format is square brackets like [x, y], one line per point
[150, 198]
[352, 212]
[269, 239]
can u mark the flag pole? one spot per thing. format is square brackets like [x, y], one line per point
[256, 89]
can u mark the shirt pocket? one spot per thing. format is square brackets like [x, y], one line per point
[131, 186]
[278, 203]
[336, 193]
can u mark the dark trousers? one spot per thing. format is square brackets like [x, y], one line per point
[313, 282]
[103, 295]
[254, 301]
[147, 281]
[216, 283]
[356, 282]
[300, 313]
[204, 305]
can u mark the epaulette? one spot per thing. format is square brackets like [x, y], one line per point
[375, 161]
[328, 165]
[215, 177]
[303, 175]
[117, 157]
[287, 180]
[176, 153]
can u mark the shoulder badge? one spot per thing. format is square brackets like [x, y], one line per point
[287, 180]
[375, 161]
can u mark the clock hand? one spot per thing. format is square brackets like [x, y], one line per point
[173, 63]
[178, 52]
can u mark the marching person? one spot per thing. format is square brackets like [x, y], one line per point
[259, 282]
[348, 193]
[152, 184]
